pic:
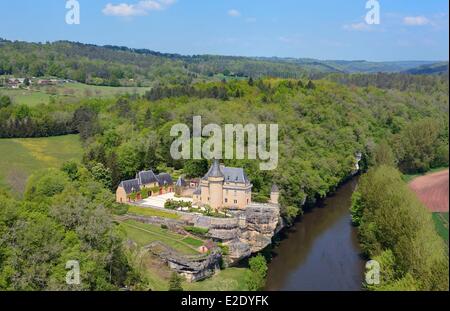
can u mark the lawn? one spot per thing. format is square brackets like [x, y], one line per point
[19, 158]
[42, 95]
[144, 234]
[143, 211]
[230, 279]
[441, 222]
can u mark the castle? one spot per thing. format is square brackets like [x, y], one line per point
[227, 187]
[221, 187]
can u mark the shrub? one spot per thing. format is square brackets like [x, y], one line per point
[196, 230]
[120, 209]
[174, 204]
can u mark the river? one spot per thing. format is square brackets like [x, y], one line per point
[321, 252]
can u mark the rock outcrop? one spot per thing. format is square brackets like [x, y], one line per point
[193, 268]
[261, 222]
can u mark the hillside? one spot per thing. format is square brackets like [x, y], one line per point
[428, 69]
[121, 66]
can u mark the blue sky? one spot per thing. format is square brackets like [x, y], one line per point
[324, 29]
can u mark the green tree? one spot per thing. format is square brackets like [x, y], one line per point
[46, 183]
[256, 276]
[102, 174]
[5, 101]
[175, 283]
[417, 145]
[383, 155]
[195, 168]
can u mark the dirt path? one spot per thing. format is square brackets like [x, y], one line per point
[432, 190]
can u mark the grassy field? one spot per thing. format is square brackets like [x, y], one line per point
[441, 222]
[68, 91]
[19, 158]
[142, 211]
[230, 279]
[144, 234]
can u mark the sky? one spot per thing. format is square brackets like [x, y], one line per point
[321, 29]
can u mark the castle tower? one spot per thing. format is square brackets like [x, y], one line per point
[216, 179]
[274, 194]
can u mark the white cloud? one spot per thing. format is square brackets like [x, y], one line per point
[234, 13]
[416, 21]
[138, 9]
[358, 27]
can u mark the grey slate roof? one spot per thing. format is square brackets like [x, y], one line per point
[230, 174]
[215, 170]
[275, 188]
[234, 174]
[181, 182]
[130, 186]
[146, 177]
[164, 179]
[198, 191]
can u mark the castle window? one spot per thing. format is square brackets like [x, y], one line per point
[226, 200]
[235, 201]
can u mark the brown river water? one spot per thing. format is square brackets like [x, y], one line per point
[321, 252]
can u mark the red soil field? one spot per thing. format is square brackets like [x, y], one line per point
[432, 190]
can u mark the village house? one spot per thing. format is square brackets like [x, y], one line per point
[131, 190]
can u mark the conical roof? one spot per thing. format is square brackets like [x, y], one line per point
[275, 188]
[215, 170]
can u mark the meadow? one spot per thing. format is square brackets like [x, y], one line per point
[144, 234]
[441, 222]
[19, 158]
[66, 92]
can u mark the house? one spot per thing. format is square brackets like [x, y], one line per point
[14, 83]
[224, 187]
[131, 190]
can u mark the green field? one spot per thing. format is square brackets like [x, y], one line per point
[230, 279]
[441, 222]
[142, 211]
[144, 234]
[20, 157]
[66, 92]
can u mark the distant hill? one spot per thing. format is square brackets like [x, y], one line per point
[430, 69]
[122, 66]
